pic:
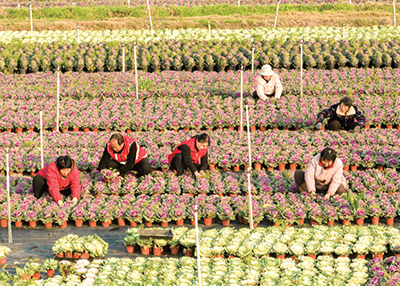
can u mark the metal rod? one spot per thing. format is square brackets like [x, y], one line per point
[209, 30]
[136, 73]
[41, 141]
[241, 99]
[123, 58]
[148, 7]
[238, 2]
[343, 29]
[19, 6]
[58, 101]
[248, 171]
[301, 67]
[394, 13]
[77, 34]
[276, 14]
[198, 247]
[252, 59]
[30, 11]
[8, 198]
[129, 2]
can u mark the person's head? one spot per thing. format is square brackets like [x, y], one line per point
[345, 104]
[117, 142]
[266, 72]
[202, 141]
[328, 157]
[64, 165]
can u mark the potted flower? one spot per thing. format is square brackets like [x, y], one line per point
[31, 217]
[225, 213]
[107, 174]
[4, 252]
[78, 214]
[158, 245]
[32, 269]
[50, 265]
[106, 216]
[134, 214]
[208, 212]
[177, 213]
[131, 239]
[145, 245]
[174, 242]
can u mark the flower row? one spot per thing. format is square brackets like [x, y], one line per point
[184, 113]
[197, 55]
[92, 245]
[353, 82]
[280, 209]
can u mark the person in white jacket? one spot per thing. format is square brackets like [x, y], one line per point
[323, 175]
[267, 84]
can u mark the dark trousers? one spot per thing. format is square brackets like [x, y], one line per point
[336, 126]
[143, 167]
[178, 164]
[255, 95]
[302, 186]
[41, 188]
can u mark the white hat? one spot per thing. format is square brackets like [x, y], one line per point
[266, 70]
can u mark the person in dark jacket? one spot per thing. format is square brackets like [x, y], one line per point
[342, 116]
[60, 177]
[192, 153]
[124, 154]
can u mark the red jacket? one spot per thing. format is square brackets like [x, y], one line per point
[194, 154]
[123, 155]
[57, 183]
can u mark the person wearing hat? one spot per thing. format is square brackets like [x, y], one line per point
[268, 84]
[342, 116]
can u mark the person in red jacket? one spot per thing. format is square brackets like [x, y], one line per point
[192, 153]
[124, 154]
[60, 177]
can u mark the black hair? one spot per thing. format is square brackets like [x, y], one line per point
[328, 154]
[117, 137]
[203, 138]
[64, 162]
[347, 101]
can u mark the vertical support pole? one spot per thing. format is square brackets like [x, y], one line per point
[248, 171]
[136, 73]
[77, 35]
[58, 101]
[148, 8]
[344, 24]
[196, 208]
[394, 13]
[8, 197]
[19, 6]
[241, 99]
[129, 3]
[301, 67]
[123, 58]
[276, 14]
[41, 141]
[209, 30]
[238, 2]
[30, 12]
[252, 57]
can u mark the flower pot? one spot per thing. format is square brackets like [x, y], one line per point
[18, 130]
[192, 222]
[270, 169]
[174, 250]
[33, 174]
[85, 255]
[133, 224]
[276, 224]
[353, 168]
[245, 222]
[86, 130]
[262, 128]
[275, 128]
[78, 223]
[285, 128]
[3, 222]
[105, 223]
[313, 256]
[301, 221]
[236, 168]
[30, 129]
[257, 166]
[121, 222]
[3, 260]
[77, 255]
[164, 224]
[380, 168]
[378, 127]
[389, 220]
[157, 251]
[92, 223]
[346, 222]
[255, 224]
[64, 224]
[240, 128]
[375, 220]
[33, 223]
[361, 256]
[148, 223]
[219, 256]
[207, 221]
[380, 255]
[130, 249]
[64, 130]
[18, 224]
[145, 250]
[189, 253]
[360, 221]
[36, 276]
[281, 256]
[240, 219]
[50, 272]
[68, 254]
[211, 166]
[292, 167]
[390, 126]
[313, 222]
[60, 255]
[226, 222]
[346, 168]
[323, 128]
[281, 167]
[48, 224]
[252, 128]
[397, 254]
[76, 129]
[331, 223]
[179, 222]
[367, 126]
[224, 169]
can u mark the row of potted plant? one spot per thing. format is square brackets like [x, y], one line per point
[73, 246]
[228, 149]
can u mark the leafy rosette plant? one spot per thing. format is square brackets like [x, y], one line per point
[208, 211]
[163, 214]
[106, 214]
[61, 214]
[131, 237]
[388, 210]
[177, 212]
[135, 213]
[149, 214]
[225, 212]
[95, 246]
[50, 264]
[78, 213]
[373, 206]
[4, 251]
[343, 208]
[329, 210]
[107, 173]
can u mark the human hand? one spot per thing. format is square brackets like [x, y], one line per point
[197, 174]
[115, 175]
[60, 203]
[328, 195]
[318, 126]
[202, 172]
[74, 200]
[312, 192]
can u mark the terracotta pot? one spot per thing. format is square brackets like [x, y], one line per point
[192, 222]
[207, 221]
[367, 126]
[64, 224]
[380, 168]
[77, 255]
[270, 169]
[255, 224]
[202, 194]
[148, 223]
[297, 128]
[231, 128]
[219, 256]
[130, 249]
[281, 257]
[292, 167]
[133, 224]
[164, 224]
[189, 253]
[8, 130]
[397, 254]
[60, 255]
[224, 169]
[346, 222]
[121, 222]
[64, 130]
[236, 168]
[92, 223]
[18, 224]
[276, 224]
[285, 128]
[50, 272]
[211, 166]
[380, 255]
[361, 256]
[301, 221]
[281, 167]
[76, 129]
[275, 128]
[105, 223]
[378, 127]
[33, 174]
[86, 130]
[3, 260]
[375, 220]
[390, 126]
[257, 166]
[68, 254]
[245, 222]
[346, 168]
[360, 221]
[314, 256]
[36, 276]
[392, 193]
[48, 224]
[157, 251]
[30, 129]
[262, 128]
[145, 250]
[240, 219]
[18, 130]
[252, 128]
[240, 128]
[33, 223]
[313, 222]
[3, 222]
[78, 223]
[85, 255]
[398, 127]
[331, 223]
[389, 220]
[232, 195]
[323, 128]
[179, 222]
[226, 222]
[174, 250]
